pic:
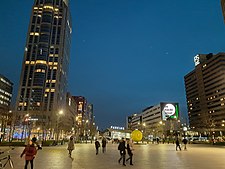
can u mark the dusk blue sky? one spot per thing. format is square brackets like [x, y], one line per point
[126, 55]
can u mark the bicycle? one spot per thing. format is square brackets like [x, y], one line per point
[7, 158]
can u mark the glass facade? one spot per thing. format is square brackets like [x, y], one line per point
[43, 82]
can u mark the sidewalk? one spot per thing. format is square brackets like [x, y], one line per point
[162, 156]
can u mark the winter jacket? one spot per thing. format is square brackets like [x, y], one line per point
[30, 152]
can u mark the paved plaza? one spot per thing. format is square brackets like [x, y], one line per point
[152, 156]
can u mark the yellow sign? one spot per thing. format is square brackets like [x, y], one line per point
[136, 135]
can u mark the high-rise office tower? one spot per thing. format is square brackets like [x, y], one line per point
[205, 93]
[43, 82]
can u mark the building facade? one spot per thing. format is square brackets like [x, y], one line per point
[156, 121]
[85, 119]
[6, 88]
[44, 76]
[205, 93]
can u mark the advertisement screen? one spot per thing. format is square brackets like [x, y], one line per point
[169, 111]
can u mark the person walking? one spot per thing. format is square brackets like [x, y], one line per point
[70, 147]
[122, 149]
[30, 152]
[130, 151]
[104, 144]
[185, 143]
[178, 144]
[97, 145]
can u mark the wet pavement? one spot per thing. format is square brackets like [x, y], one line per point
[152, 156]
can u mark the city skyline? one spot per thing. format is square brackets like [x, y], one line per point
[125, 56]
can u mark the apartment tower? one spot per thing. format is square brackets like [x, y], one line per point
[43, 82]
[205, 93]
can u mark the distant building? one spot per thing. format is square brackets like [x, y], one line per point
[69, 120]
[158, 120]
[44, 76]
[85, 118]
[116, 133]
[205, 93]
[6, 88]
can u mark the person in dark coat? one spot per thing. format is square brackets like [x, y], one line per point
[122, 149]
[70, 146]
[103, 145]
[185, 143]
[30, 152]
[97, 145]
[130, 151]
[178, 144]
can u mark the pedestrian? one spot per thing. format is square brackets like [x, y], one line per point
[104, 144]
[34, 139]
[97, 145]
[178, 144]
[122, 149]
[185, 143]
[130, 151]
[70, 147]
[30, 152]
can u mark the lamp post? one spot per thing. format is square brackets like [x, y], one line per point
[60, 113]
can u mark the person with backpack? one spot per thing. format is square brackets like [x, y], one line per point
[30, 152]
[122, 149]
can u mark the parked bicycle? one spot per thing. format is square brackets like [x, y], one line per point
[5, 159]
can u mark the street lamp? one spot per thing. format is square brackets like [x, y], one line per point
[60, 113]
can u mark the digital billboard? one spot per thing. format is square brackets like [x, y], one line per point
[169, 111]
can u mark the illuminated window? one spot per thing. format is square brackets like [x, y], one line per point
[52, 90]
[48, 7]
[40, 70]
[41, 62]
[34, 33]
[38, 103]
[27, 62]
[47, 90]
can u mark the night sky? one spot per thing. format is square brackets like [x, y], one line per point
[126, 55]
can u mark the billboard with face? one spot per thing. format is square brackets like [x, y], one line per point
[169, 111]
